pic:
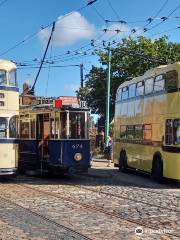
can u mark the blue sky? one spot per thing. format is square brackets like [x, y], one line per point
[20, 18]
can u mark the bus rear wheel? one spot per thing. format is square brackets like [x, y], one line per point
[123, 162]
[157, 170]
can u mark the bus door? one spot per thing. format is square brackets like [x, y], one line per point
[43, 133]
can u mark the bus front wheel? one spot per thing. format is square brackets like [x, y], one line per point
[123, 162]
[157, 169]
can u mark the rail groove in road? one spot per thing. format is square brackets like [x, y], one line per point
[97, 209]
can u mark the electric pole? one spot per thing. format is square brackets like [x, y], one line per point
[108, 84]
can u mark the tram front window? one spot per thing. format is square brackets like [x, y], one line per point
[76, 125]
[12, 79]
[13, 127]
[3, 127]
[3, 79]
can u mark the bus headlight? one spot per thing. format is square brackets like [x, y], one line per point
[78, 156]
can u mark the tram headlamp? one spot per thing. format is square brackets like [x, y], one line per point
[78, 156]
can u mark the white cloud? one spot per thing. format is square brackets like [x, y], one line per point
[71, 87]
[68, 30]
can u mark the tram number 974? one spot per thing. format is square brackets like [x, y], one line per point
[77, 146]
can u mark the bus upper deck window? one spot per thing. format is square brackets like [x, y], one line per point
[119, 93]
[140, 88]
[124, 93]
[149, 85]
[12, 78]
[132, 90]
[3, 78]
[3, 127]
[176, 130]
[159, 83]
[171, 80]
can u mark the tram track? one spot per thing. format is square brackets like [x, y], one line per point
[129, 185]
[43, 217]
[97, 209]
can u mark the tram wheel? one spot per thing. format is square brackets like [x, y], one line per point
[123, 162]
[157, 170]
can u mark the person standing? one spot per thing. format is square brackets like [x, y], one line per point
[110, 151]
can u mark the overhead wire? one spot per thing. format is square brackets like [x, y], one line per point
[37, 32]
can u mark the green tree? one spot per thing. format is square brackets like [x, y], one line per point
[131, 58]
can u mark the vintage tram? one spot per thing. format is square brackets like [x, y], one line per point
[54, 138]
[9, 111]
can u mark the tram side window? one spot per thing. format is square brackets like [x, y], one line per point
[138, 132]
[33, 127]
[149, 85]
[176, 131]
[24, 129]
[13, 127]
[3, 127]
[169, 132]
[63, 124]
[125, 93]
[76, 125]
[12, 79]
[132, 90]
[140, 88]
[123, 132]
[171, 80]
[3, 79]
[159, 83]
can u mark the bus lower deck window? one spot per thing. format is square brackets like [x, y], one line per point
[3, 127]
[169, 132]
[176, 131]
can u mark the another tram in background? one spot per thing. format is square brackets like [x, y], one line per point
[9, 111]
[147, 123]
[54, 137]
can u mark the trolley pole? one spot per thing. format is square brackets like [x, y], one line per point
[81, 75]
[108, 95]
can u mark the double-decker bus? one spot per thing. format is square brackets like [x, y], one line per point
[9, 111]
[147, 123]
[54, 137]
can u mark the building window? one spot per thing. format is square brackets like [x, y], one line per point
[140, 88]
[159, 83]
[169, 132]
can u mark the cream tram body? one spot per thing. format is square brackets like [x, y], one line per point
[9, 111]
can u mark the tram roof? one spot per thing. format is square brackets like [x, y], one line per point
[151, 73]
[7, 65]
[49, 108]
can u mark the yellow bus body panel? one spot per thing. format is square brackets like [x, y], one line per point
[152, 110]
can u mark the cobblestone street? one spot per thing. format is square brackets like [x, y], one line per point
[103, 204]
